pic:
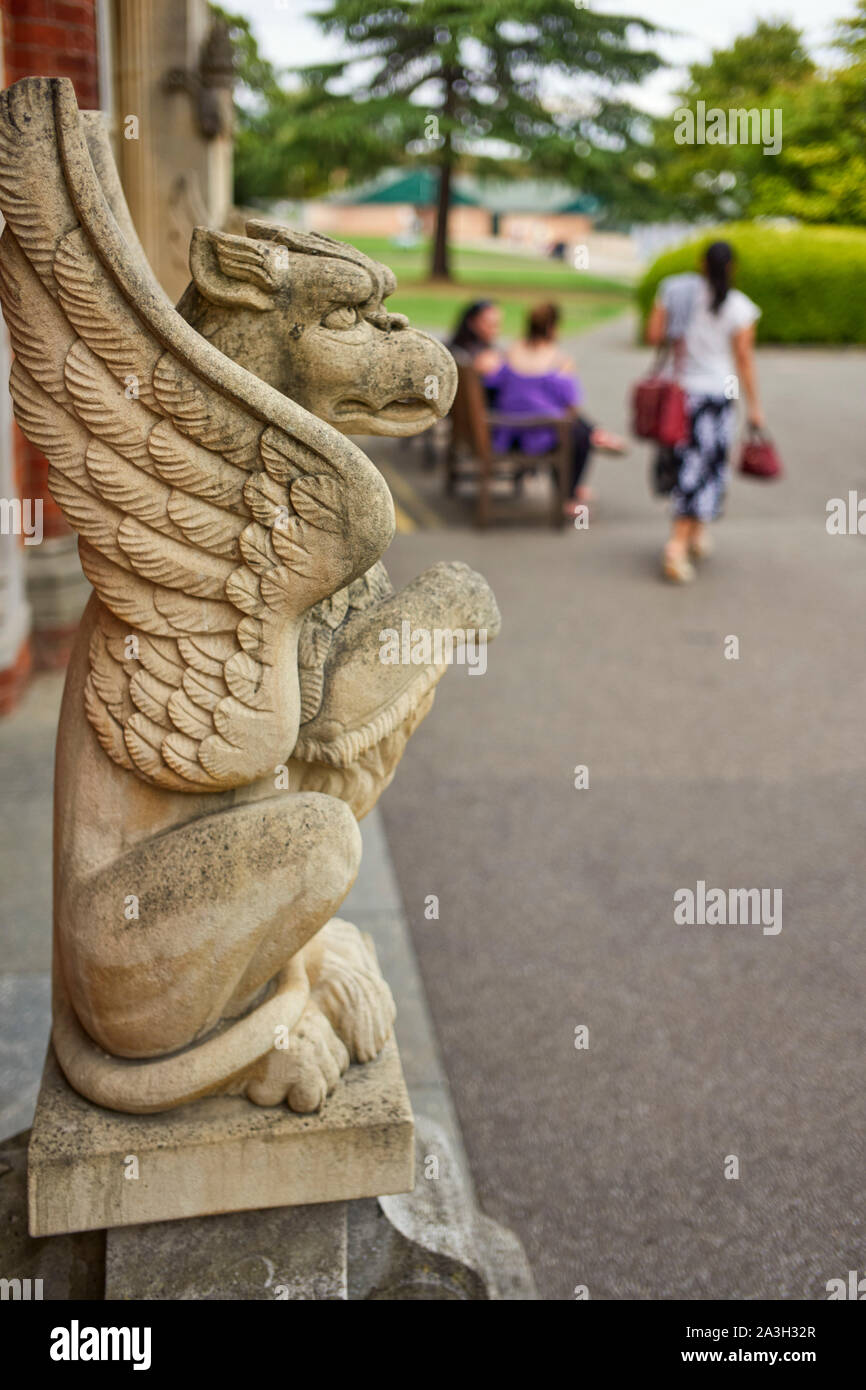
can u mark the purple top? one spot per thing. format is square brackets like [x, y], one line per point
[516, 394]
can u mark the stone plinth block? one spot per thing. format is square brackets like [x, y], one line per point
[221, 1154]
[284, 1253]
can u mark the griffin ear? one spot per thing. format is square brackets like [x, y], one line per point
[236, 271]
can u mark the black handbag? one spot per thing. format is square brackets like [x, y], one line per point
[665, 471]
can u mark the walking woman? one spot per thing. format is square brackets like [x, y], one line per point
[712, 328]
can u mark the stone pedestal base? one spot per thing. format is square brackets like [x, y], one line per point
[90, 1168]
[430, 1244]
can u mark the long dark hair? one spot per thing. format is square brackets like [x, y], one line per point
[465, 336]
[718, 264]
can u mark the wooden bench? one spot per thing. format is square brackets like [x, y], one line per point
[470, 452]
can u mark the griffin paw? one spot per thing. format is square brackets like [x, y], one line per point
[304, 1071]
[350, 991]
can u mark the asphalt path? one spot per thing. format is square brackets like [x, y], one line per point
[706, 1043]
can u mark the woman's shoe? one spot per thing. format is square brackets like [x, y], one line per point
[578, 503]
[676, 567]
[701, 546]
[574, 508]
[607, 442]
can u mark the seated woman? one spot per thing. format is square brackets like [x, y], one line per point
[475, 336]
[537, 379]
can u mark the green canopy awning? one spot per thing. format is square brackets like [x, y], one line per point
[420, 187]
[538, 196]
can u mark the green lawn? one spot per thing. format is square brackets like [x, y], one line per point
[515, 282]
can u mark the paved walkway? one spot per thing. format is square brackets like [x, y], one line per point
[557, 904]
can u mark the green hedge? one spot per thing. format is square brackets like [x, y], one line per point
[810, 282]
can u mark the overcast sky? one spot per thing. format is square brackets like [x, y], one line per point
[288, 37]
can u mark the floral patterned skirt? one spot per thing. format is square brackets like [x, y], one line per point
[702, 474]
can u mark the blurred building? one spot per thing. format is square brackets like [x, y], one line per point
[161, 71]
[528, 212]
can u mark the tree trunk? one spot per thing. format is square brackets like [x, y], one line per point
[440, 269]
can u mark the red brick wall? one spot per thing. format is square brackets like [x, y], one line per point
[49, 38]
[52, 38]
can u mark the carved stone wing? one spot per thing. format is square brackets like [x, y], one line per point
[213, 512]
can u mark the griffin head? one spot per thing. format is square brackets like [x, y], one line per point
[307, 314]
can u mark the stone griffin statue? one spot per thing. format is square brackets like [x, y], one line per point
[226, 718]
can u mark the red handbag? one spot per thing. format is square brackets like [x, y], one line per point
[658, 408]
[759, 458]
[673, 424]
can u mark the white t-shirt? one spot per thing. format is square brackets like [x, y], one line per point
[706, 363]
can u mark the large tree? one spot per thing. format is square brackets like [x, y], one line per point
[457, 82]
[267, 159]
[819, 174]
[772, 54]
[762, 69]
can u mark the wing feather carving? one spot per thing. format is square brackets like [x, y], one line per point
[218, 521]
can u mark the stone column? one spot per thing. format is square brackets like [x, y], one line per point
[135, 124]
[173, 73]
